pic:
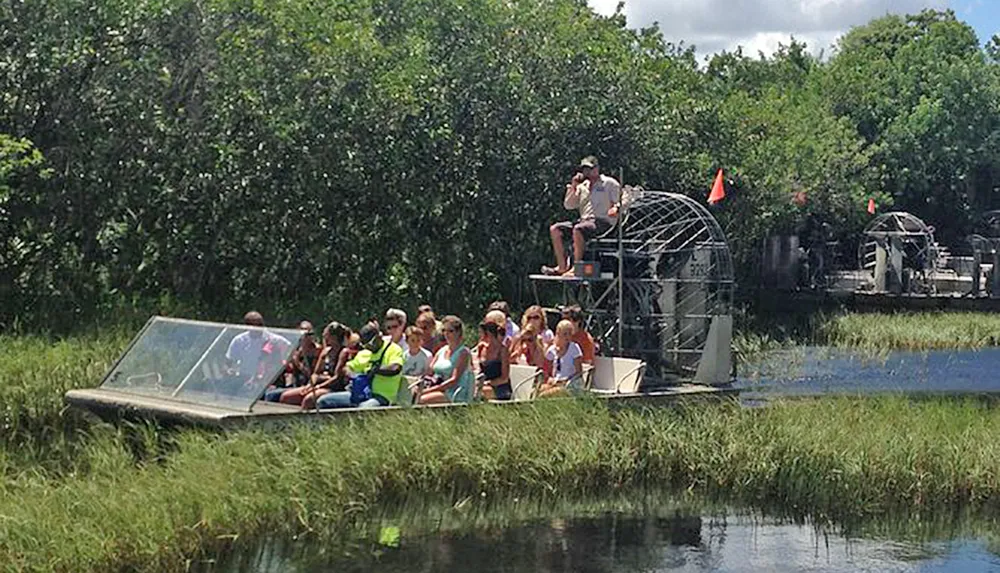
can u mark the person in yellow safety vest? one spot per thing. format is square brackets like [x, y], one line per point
[376, 372]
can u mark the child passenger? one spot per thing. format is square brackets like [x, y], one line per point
[563, 362]
[418, 358]
[574, 314]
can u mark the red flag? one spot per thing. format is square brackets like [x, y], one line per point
[871, 206]
[718, 190]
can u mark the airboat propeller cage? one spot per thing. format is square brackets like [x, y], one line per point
[986, 254]
[894, 242]
[675, 278]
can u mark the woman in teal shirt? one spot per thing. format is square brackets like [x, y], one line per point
[452, 367]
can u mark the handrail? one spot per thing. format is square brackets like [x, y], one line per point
[641, 367]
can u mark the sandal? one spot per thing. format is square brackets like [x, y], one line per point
[551, 271]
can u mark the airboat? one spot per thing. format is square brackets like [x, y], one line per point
[660, 310]
[899, 264]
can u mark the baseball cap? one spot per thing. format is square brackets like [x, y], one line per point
[588, 161]
[368, 333]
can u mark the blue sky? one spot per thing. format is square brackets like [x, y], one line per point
[983, 15]
[761, 25]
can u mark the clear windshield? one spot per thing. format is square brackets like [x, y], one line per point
[221, 365]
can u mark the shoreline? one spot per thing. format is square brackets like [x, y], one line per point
[871, 457]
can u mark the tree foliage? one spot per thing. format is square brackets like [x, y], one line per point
[346, 153]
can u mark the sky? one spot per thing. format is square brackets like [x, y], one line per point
[761, 25]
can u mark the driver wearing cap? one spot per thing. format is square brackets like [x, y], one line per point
[597, 197]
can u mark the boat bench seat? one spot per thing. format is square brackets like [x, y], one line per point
[613, 375]
[524, 380]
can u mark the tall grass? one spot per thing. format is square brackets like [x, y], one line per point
[911, 331]
[836, 459]
[35, 372]
[756, 335]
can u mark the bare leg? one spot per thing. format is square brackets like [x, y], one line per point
[557, 247]
[552, 390]
[579, 244]
[434, 398]
[488, 393]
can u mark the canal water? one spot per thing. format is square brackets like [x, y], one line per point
[615, 542]
[693, 539]
[821, 370]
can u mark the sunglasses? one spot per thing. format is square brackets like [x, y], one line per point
[394, 326]
[534, 318]
[448, 330]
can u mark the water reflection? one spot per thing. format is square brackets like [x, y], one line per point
[614, 543]
[819, 370]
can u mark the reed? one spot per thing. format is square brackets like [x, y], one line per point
[834, 459]
[911, 331]
[35, 372]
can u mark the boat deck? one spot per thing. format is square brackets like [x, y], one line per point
[110, 404]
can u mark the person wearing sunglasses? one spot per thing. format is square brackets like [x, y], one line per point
[494, 362]
[376, 371]
[563, 363]
[454, 379]
[395, 328]
[511, 330]
[329, 374]
[535, 316]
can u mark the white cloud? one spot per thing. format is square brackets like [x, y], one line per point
[714, 25]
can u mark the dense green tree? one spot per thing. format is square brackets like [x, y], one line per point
[921, 92]
[342, 154]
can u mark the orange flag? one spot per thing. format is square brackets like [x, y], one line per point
[871, 206]
[718, 190]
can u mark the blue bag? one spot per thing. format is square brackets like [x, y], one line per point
[361, 388]
[361, 385]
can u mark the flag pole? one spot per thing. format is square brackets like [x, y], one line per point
[621, 260]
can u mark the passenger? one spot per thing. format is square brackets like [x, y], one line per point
[583, 338]
[494, 362]
[563, 363]
[418, 358]
[377, 370]
[329, 375]
[597, 197]
[510, 327]
[454, 378]
[254, 354]
[498, 318]
[528, 348]
[299, 369]
[535, 315]
[433, 340]
[427, 308]
[395, 326]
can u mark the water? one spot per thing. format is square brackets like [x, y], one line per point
[820, 370]
[614, 542]
[693, 539]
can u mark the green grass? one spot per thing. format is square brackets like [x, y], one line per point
[866, 458]
[35, 372]
[873, 332]
[912, 331]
